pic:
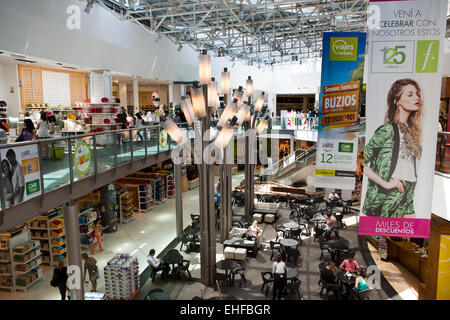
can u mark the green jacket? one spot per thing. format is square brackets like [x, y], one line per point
[382, 155]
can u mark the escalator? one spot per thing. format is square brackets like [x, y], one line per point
[293, 169]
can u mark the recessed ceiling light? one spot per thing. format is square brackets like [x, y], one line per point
[24, 60]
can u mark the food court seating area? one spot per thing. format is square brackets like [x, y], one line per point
[243, 275]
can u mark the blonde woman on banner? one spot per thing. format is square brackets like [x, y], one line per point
[392, 153]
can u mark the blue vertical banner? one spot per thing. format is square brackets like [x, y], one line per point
[341, 84]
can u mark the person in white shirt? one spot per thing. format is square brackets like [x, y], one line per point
[156, 264]
[333, 195]
[279, 271]
[139, 124]
[42, 127]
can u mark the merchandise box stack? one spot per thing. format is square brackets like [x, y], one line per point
[122, 277]
[145, 197]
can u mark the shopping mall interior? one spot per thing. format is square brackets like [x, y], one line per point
[177, 126]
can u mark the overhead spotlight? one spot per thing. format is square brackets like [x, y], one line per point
[180, 47]
[89, 5]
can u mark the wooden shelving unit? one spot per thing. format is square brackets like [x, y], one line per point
[126, 213]
[22, 259]
[41, 229]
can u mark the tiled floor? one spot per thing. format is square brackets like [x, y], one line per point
[154, 229]
[400, 278]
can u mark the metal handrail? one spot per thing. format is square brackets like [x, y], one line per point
[115, 133]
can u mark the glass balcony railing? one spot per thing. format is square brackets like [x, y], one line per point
[69, 159]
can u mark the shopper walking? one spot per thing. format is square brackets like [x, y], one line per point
[98, 229]
[59, 279]
[90, 267]
[139, 124]
[279, 271]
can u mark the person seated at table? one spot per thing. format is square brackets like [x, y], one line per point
[361, 283]
[157, 265]
[330, 221]
[253, 231]
[350, 265]
[333, 195]
[329, 275]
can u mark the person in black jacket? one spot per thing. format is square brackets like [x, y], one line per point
[59, 279]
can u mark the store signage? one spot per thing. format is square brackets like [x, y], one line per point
[163, 140]
[82, 158]
[342, 69]
[403, 90]
[343, 48]
[20, 174]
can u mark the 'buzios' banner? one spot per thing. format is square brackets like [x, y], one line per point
[406, 40]
[342, 73]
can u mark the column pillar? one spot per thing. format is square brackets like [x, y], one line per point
[74, 245]
[171, 92]
[178, 199]
[123, 95]
[207, 212]
[136, 95]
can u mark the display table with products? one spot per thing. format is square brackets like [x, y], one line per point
[122, 277]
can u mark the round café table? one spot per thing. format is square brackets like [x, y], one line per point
[291, 273]
[289, 242]
[291, 225]
[227, 265]
[159, 296]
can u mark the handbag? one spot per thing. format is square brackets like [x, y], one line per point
[20, 138]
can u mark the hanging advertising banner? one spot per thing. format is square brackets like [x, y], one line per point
[163, 140]
[82, 158]
[341, 83]
[20, 174]
[406, 41]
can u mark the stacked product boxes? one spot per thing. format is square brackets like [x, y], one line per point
[122, 276]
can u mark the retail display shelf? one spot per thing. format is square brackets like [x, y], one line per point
[5, 274]
[22, 253]
[103, 104]
[57, 228]
[5, 261]
[5, 287]
[31, 259]
[32, 268]
[35, 228]
[84, 224]
[39, 238]
[25, 288]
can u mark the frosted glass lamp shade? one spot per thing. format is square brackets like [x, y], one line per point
[228, 113]
[174, 132]
[224, 137]
[238, 95]
[249, 87]
[259, 103]
[243, 113]
[212, 94]
[225, 82]
[262, 125]
[188, 110]
[204, 69]
[198, 102]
